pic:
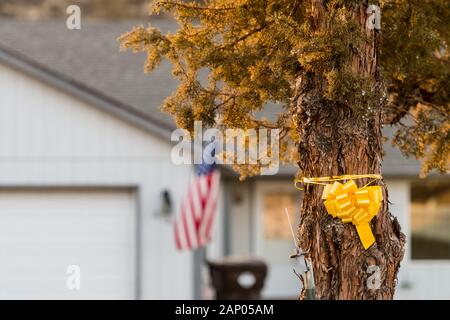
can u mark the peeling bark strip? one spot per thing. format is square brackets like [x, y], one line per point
[336, 141]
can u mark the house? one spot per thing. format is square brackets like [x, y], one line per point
[83, 171]
[85, 160]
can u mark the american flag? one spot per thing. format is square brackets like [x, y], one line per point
[194, 225]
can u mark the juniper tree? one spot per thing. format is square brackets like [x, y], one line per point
[339, 81]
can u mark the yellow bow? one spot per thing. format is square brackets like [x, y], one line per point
[352, 204]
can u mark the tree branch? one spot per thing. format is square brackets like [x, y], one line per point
[186, 6]
[259, 29]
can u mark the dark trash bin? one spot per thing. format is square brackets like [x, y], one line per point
[239, 279]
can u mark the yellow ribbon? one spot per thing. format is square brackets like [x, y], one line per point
[350, 203]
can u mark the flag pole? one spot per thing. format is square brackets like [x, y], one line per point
[199, 260]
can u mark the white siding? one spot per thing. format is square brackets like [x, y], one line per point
[417, 279]
[48, 138]
[241, 223]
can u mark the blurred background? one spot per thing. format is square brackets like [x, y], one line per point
[88, 191]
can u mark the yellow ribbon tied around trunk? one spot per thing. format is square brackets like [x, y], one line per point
[351, 204]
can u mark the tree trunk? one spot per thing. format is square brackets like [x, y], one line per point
[336, 141]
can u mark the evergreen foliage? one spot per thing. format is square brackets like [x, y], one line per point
[253, 51]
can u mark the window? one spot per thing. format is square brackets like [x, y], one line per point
[430, 219]
[277, 237]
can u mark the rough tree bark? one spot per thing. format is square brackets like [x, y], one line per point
[334, 141]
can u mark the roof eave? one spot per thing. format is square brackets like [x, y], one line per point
[86, 94]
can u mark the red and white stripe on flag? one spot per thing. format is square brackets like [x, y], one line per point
[194, 225]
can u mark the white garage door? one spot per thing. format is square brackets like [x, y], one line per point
[44, 232]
